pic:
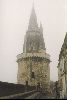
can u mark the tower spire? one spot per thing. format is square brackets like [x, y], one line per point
[33, 3]
[41, 28]
[33, 20]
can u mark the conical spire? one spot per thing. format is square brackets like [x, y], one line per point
[65, 41]
[33, 20]
[41, 28]
[34, 41]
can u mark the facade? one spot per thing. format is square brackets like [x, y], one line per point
[33, 63]
[62, 69]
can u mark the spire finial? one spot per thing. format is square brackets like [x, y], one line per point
[40, 23]
[41, 28]
[33, 3]
[33, 19]
[33, 6]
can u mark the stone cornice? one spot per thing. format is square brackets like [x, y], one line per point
[30, 55]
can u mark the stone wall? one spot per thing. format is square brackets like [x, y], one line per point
[40, 68]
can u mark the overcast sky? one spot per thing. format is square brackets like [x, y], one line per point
[14, 19]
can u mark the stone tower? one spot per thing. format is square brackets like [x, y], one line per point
[33, 63]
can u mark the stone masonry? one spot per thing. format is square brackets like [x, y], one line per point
[33, 63]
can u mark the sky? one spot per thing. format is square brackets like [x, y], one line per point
[14, 19]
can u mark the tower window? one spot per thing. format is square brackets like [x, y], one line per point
[33, 76]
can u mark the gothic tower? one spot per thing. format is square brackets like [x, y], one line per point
[33, 63]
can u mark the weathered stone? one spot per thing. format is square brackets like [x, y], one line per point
[62, 69]
[33, 63]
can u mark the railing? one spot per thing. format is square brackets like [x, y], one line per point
[20, 95]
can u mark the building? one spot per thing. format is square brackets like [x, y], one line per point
[62, 69]
[33, 63]
[53, 89]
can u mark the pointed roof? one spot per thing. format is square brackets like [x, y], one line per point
[34, 41]
[33, 20]
[65, 42]
[64, 47]
[41, 28]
